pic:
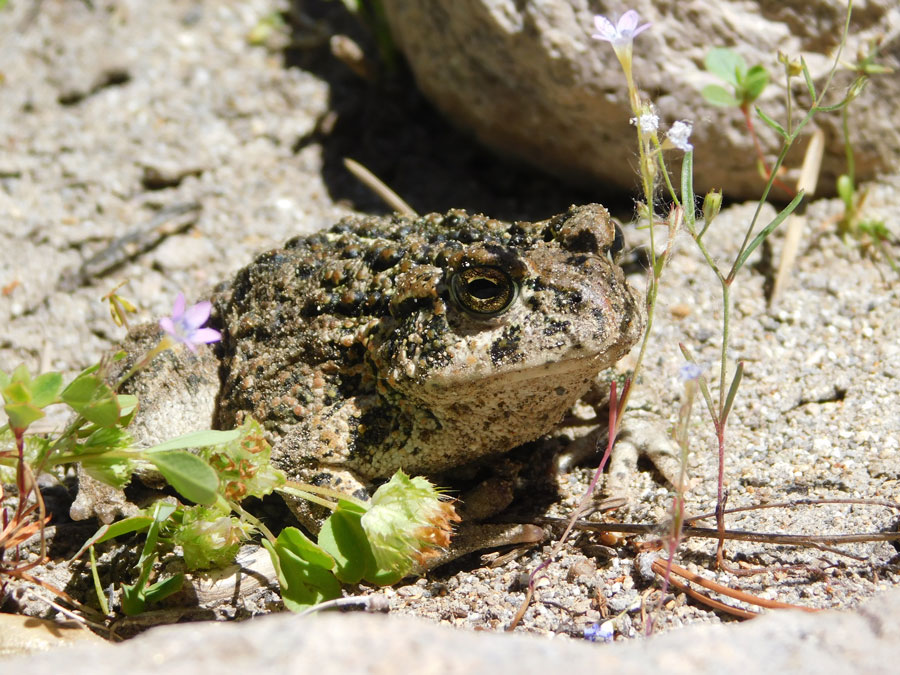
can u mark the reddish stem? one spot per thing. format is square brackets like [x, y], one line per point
[721, 497]
[748, 119]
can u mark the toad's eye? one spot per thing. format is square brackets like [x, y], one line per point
[486, 291]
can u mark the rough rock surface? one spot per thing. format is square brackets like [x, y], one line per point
[527, 79]
[863, 641]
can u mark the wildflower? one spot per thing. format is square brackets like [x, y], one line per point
[185, 324]
[621, 37]
[599, 632]
[409, 521]
[679, 134]
[623, 33]
[689, 371]
[648, 121]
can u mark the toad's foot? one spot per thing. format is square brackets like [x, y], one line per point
[642, 434]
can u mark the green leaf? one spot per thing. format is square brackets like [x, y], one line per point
[133, 602]
[134, 597]
[22, 415]
[726, 64]
[757, 79]
[197, 439]
[732, 391]
[116, 529]
[191, 476]
[109, 470]
[91, 398]
[343, 537]
[45, 388]
[101, 439]
[687, 191]
[704, 388]
[163, 589]
[717, 95]
[772, 123]
[766, 231]
[292, 539]
[831, 108]
[810, 86]
[127, 408]
[161, 513]
[17, 392]
[98, 587]
[302, 582]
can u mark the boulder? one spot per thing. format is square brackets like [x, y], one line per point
[527, 79]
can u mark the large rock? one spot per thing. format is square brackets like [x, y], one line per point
[862, 641]
[527, 79]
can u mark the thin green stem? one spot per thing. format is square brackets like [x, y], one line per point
[665, 173]
[848, 147]
[164, 344]
[253, 520]
[318, 493]
[789, 141]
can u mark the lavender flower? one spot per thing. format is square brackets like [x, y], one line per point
[623, 33]
[689, 371]
[185, 324]
[600, 632]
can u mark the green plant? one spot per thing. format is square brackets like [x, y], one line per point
[853, 224]
[378, 541]
[747, 84]
[371, 14]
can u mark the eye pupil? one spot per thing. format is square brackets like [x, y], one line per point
[483, 291]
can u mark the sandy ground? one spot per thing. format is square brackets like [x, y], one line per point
[152, 144]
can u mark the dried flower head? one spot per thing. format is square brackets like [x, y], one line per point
[409, 521]
[679, 134]
[648, 121]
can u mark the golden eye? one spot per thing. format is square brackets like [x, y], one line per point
[487, 291]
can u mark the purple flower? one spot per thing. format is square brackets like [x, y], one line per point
[690, 371]
[600, 632]
[185, 324]
[623, 33]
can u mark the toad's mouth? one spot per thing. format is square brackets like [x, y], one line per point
[562, 367]
[552, 374]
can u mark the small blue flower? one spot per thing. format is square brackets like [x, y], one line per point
[599, 632]
[623, 33]
[689, 371]
[185, 325]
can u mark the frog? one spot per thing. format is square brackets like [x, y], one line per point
[415, 343]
